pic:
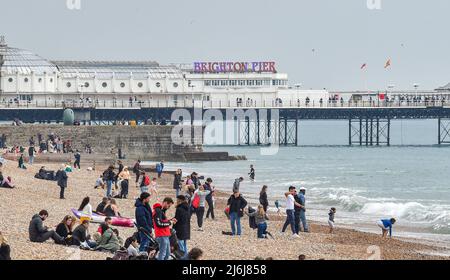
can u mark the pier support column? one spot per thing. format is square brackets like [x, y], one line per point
[367, 131]
[443, 131]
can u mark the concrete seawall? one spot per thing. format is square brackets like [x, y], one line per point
[143, 142]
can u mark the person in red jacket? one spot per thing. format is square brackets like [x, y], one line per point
[162, 227]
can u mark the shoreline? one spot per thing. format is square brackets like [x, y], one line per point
[31, 195]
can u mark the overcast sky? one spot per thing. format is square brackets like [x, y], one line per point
[319, 43]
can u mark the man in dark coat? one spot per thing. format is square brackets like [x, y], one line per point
[183, 225]
[40, 233]
[144, 220]
[61, 177]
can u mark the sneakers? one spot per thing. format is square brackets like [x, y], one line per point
[200, 229]
[295, 236]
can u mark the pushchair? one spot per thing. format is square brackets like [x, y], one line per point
[153, 248]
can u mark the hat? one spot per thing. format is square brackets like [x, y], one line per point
[84, 218]
[302, 189]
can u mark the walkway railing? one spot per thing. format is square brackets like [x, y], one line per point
[314, 104]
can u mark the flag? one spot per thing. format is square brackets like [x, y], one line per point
[388, 63]
[363, 66]
[381, 96]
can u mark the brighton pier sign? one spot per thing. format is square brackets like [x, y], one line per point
[235, 67]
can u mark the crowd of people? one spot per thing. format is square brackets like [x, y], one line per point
[159, 236]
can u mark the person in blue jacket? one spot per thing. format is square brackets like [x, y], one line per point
[144, 220]
[160, 168]
[386, 225]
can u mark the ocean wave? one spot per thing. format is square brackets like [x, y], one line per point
[436, 217]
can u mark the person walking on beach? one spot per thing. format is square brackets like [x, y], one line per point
[144, 220]
[109, 176]
[201, 193]
[290, 214]
[31, 153]
[236, 204]
[154, 188]
[237, 183]
[177, 182]
[137, 171]
[263, 198]
[209, 198]
[162, 227]
[145, 182]
[302, 199]
[183, 224]
[386, 226]
[124, 178]
[160, 168]
[331, 219]
[251, 174]
[77, 162]
[61, 178]
[39, 233]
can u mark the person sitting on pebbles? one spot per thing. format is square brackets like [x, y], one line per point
[386, 225]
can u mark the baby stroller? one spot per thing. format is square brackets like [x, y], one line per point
[153, 247]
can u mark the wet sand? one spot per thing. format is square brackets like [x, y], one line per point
[18, 205]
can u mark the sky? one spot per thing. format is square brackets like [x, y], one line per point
[319, 43]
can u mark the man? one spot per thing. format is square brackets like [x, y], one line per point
[162, 227]
[61, 178]
[195, 180]
[109, 177]
[236, 204]
[40, 233]
[290, 208]
[160, 168]
[302, 202]
[183, 225]
[101, 206]
[77, 160]
[209, 198]
[236, 184]
[144, 220]
[251, 174]
[31, 153]
[137, 171]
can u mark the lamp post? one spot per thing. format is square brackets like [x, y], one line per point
[416, 87]
[192, 95]
[390, 88]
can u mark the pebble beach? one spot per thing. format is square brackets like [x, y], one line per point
[31, 195]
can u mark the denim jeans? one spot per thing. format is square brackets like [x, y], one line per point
[164, 248]
[290, 220]
[144, 242]
[262, 229]
[109, 184]
[31, 159]
[297, 221]
[235, 221]
[183, 246]
[303, 221]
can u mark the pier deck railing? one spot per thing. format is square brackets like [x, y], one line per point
[222, 105]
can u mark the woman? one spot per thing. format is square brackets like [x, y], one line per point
[108, 241]
[64, 229]
[200, 210]
[5, 182]
[109, 177]
[177, 182]
[263, 198]
[154, 188]
[81, 237]
[5, 250]
[261, 220]
[86, 207]
[112, 210]
[124, 178]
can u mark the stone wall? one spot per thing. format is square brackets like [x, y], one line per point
[143, 142]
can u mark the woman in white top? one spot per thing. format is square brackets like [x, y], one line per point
[86, 207]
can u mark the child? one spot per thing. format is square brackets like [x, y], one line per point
[331, 219]
[153, 188]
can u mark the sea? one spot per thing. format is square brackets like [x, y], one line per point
[410, 180]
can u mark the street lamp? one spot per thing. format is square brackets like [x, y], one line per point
[192, 94]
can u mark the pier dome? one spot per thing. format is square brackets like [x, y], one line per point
[14, 60]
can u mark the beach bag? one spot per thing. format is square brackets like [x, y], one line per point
[146, 180]
[196, 201]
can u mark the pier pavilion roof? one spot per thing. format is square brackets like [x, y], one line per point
[444, 88]
[14, 60]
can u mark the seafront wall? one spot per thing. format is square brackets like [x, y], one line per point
[139, 142]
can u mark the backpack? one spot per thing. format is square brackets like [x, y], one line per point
[196, 201]
[146, 180]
